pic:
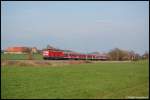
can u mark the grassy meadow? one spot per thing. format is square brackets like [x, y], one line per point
[35, 56]
[87, 81]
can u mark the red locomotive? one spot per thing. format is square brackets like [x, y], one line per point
[61, 55]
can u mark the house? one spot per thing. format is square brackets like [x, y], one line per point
[34, 50]
[17, 50]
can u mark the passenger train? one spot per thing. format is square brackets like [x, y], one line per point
[62, 55]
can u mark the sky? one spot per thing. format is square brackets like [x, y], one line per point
[82, 26]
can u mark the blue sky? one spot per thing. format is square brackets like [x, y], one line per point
[83, 26]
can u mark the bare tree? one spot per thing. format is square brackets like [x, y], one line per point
[145, 55]
[131, 55]
[117, 54]
[29, 52]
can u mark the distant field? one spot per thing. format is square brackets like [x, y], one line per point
[20, 56]
[93, 80]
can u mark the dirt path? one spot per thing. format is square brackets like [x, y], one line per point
[50, 62]
[41, 62]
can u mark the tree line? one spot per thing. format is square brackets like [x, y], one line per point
[120, 55]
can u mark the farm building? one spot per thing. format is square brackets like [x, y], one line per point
[34, 50]
[17, 50]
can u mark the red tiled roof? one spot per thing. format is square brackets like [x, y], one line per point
[17, 49]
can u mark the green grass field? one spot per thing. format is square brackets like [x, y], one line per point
[99, 80]
[20, 56]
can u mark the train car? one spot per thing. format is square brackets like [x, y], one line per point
[70, 55]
